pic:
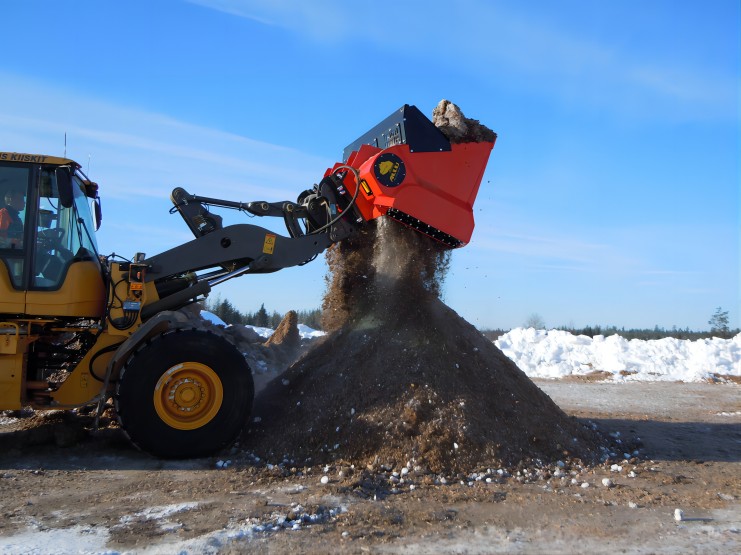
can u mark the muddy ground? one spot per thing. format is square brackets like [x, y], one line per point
[98, 494]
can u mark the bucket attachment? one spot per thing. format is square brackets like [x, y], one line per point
[411, 172]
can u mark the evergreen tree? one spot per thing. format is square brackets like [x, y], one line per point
[261, 317]
[311, 318]
[275, 319]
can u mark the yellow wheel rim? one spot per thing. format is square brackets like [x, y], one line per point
[188, 396]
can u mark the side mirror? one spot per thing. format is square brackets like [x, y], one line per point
[97, 213]
[91, 189]
[64, 186]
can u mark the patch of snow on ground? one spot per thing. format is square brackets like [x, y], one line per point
[235, 536]
[77, 539]
[156, 513]
[557, 354]
[93, 540]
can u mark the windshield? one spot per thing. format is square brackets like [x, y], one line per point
[64, 234]
[74, 224]
[84, 238]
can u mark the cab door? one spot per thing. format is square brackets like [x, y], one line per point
[66, 279]
[15, 185]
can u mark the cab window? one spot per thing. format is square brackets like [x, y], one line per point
[64, 234]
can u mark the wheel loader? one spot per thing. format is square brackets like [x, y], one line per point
[78, 329]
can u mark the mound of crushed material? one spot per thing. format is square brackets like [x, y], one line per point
[405, 378]
[401, 377]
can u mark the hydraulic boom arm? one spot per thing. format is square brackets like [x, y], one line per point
[404, 168]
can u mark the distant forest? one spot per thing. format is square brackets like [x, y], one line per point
[263, 318]
[632, 333]
[225, 310]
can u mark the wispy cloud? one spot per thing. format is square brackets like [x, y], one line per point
[139, 157]
[323, 20]
[240, 9]
[555, 253]
[551, 246]
[131, 146]
[510, 45]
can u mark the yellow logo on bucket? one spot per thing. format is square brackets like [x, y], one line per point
[386, 167]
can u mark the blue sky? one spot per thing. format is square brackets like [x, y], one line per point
[611, 197]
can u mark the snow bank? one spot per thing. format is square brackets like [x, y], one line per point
[556, 354]
[303, 330]
[262, 332]
[307, 333]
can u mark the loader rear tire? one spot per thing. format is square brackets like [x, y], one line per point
[184, 394]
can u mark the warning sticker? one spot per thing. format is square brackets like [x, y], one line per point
[366, 188]
[269, 245]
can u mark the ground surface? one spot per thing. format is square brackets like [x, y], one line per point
[100, 495]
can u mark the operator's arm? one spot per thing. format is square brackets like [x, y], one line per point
[5, 220]
[10, 236]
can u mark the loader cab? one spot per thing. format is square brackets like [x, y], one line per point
[49, 264]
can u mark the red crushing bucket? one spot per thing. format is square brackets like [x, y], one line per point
[411, 172]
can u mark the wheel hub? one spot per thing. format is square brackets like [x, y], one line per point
[188, 395]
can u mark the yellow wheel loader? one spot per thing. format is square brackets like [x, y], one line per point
[78, 328]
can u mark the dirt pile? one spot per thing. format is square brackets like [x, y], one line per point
[286, 333]
[403, 378]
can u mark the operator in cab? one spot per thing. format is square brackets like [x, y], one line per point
[11, 224]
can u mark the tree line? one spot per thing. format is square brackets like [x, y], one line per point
[719, 327]
[224, 309]
[263, 318]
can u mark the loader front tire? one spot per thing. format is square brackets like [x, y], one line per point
[184, 394]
